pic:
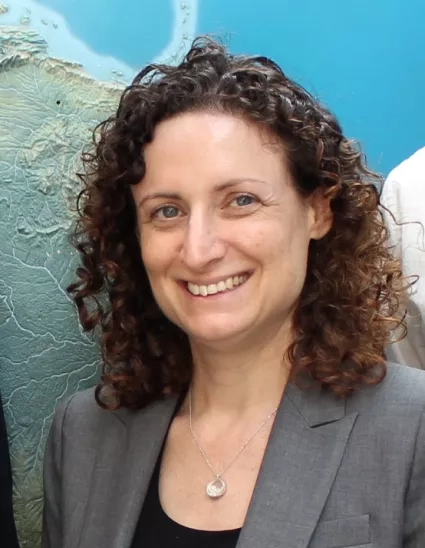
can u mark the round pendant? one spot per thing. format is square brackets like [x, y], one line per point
[216, 488]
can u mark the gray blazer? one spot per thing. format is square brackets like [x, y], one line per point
[335, 474]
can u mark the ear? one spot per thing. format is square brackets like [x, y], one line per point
[321, 214]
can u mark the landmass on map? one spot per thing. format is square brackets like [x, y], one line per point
[48, 109]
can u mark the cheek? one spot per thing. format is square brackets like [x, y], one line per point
[156, 266]
[152, 256]
[284, 246]
[158, 252]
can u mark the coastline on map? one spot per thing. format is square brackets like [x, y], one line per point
[63, 44]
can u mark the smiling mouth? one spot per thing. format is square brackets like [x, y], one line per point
[223, 286]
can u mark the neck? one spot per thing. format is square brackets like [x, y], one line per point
[245, 379]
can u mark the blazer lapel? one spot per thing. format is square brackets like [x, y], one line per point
[122, 472]
[305, 449]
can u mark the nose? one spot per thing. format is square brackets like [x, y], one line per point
[203, 244]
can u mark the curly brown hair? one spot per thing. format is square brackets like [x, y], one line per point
[354, 286]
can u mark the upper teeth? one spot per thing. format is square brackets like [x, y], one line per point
[212, 289]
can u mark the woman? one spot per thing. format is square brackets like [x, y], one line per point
[245, 399]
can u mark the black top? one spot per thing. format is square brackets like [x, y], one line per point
[156, 529]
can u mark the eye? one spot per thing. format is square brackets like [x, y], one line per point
[243, 200]
[166, 212]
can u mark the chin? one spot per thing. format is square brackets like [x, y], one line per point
[219, 334]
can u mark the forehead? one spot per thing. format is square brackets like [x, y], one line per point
[212, 147]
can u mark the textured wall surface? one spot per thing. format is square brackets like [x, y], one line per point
[46, 110]
[63, 65]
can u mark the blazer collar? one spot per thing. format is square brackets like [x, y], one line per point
[315, 405]
[305, 449]
[121, 474]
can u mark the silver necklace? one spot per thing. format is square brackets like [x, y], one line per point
[218, 487]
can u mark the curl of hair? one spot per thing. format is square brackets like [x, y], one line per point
[354, 287]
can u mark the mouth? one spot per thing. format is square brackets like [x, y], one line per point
[223, 286]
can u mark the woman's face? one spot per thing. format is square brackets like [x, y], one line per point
[224, 235]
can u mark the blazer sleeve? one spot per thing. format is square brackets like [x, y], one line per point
[414, 520]
[52, 481]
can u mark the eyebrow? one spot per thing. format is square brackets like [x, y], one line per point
[218, 188]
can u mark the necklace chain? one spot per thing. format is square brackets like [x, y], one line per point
[227, 466]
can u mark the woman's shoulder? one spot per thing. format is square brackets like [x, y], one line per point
[401, 391]
[80, 402]
[390, 423]
[404, 385]
[81, 412]
[404, 375]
